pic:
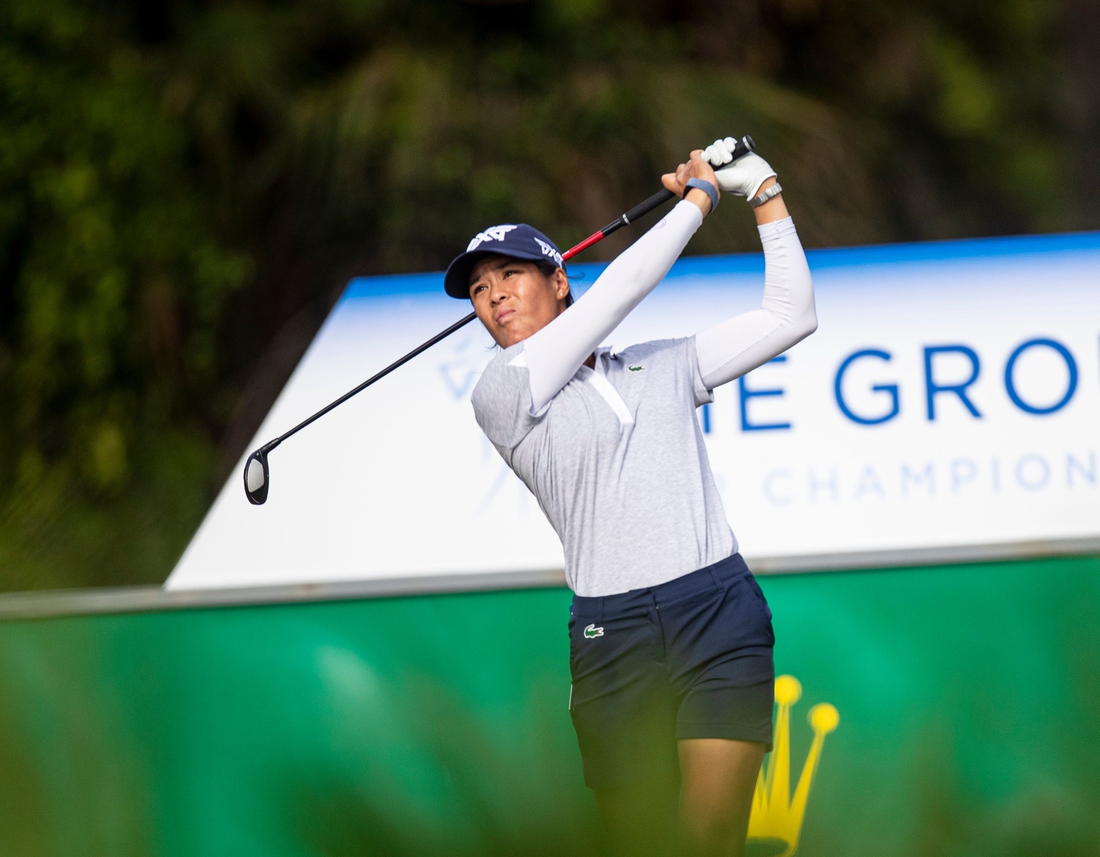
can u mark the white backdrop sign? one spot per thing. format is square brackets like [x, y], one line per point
[948, 406]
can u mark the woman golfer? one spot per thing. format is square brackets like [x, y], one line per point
[670, 636]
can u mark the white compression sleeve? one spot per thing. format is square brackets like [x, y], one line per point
[786, 315]
[555, 353]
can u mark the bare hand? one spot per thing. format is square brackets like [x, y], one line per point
[695, 168]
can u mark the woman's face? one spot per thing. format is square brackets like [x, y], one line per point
[514, 299]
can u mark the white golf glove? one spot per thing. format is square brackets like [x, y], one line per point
[744, 176]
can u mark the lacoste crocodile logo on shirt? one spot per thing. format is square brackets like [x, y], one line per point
[592, 631]
[637, 367]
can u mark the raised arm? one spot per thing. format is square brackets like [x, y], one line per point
[786, 315]
[556, 352]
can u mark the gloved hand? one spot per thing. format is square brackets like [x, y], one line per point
[744, 176]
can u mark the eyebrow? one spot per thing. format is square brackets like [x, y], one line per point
[503, 263]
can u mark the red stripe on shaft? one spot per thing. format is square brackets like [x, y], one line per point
[594, 238]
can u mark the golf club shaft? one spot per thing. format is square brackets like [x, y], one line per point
[743, 147]
[636, 212]
[401, 361]
[640, 210]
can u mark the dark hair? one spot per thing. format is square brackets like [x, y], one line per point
[547, 270]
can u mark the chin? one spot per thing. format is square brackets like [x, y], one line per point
[510, 336]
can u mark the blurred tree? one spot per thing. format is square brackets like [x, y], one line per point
[113, 286]
[188, 185]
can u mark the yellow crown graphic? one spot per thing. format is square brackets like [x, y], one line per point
[776, 819]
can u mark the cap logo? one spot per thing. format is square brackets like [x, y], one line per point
[493, 233]
[547, 250]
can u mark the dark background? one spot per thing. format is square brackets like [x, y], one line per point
[185, 187]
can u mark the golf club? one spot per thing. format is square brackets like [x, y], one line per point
[256, 474]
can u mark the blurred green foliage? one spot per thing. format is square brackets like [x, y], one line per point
[968, 699]
[185, 187]
[113, 287]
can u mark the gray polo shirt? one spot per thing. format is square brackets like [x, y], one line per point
[617, 462]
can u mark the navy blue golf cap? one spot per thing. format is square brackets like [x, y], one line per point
[517, 240]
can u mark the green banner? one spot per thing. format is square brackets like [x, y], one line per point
[956, 712]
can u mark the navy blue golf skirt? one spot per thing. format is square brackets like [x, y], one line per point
[690, 658]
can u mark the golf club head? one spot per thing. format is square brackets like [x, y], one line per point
[256, 477]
